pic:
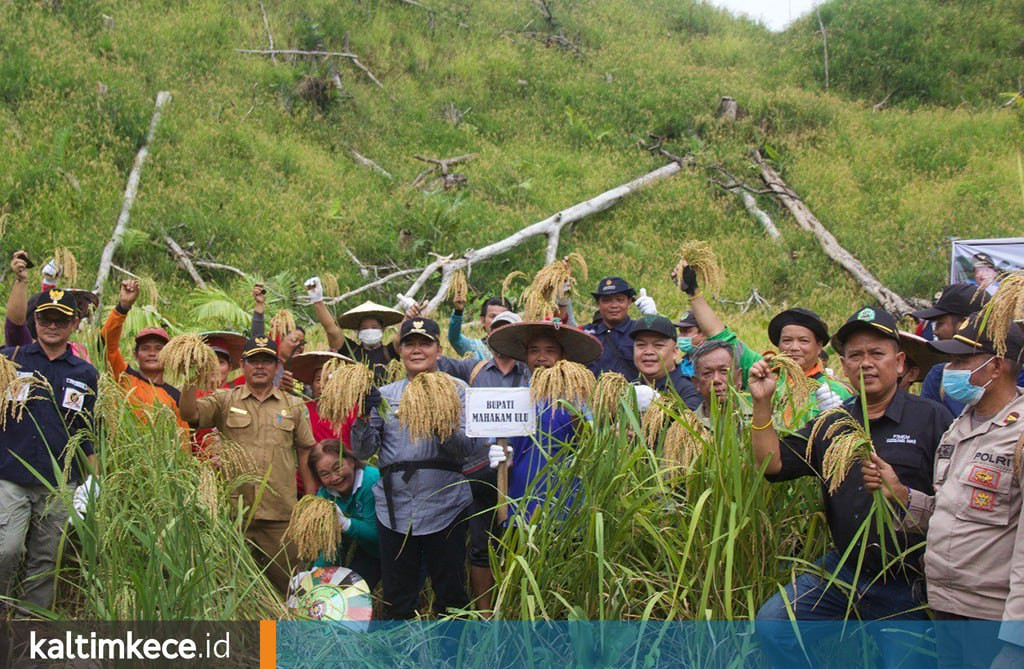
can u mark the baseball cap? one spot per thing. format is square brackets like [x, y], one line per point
[656, 324]
[505, 318]
[960, 299]
[613, 285]
[974, 336]
[869, 318]
[159, 333]
[687, 320]
[257, 345]
[56, 300]
[425, 327]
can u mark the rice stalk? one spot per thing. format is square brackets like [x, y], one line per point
[430, 406]
[798, 387]
[848, 444]
[329, 282]
[684, 442]
[609, 391]
[653, 420]
[565, 380]
[699, 255]
[66, 265]
[458, 288]
[208, 491]
[509, 279]
[551, 285]
[281, 324]
[1005, 308]
[345, 387]
[394, 371]
[314, 528]
[18, 391]
[149, 289]
[188, 358]
[235, 461]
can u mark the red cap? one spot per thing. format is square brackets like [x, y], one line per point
[153, 332]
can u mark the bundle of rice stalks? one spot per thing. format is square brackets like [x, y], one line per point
[798, 387]
[458, 288]
[1005, 308]
[281, 324]
[654, 420]
[329, 282]
[551, 285]
[149, 289]
[314, 528]
[507, 282]
[66, 265]
[685, 441]
[609, 391]
[569, 381]
[188, 358]
[394, 371]
[849, 444]
[208, 491]
[234, 460]
[430, 406]
[110, 400]
[702, 259]
[344, 386]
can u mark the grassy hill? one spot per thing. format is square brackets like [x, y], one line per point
[252, 165]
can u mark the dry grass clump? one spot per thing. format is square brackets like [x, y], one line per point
[565, 380]
[430, 406]
[187, 357]
[849, 443]
[458, 288]
[344, 386]
[685, 441]
[314, 528]
[281, 324]
[394, 371]
[1005, 308]
[702, 259]
[329, 282]
[798, 388]
[550, 285]
[66, 265]
[609, 391]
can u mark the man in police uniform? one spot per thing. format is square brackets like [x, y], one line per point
[974, 561]
[613, 325]
[905, 430]
[273, 427]
[31, 521]
[654, 353]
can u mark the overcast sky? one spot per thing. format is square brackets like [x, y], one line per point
[776, 14]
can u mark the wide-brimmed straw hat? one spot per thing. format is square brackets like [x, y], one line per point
[386, 315]
[577, 346]
[230, 344]
[919, 350]
[304, 365]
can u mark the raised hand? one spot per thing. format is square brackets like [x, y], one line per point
[129, 293]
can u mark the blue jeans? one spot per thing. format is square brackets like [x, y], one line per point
[810, 599]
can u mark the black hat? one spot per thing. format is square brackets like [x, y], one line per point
[55, 299]
[972, 338]
[656, 324]
[424, 327]
[257, 345]
[613, 285]
[797, 316]
[960, 299]
[687, 320]
[984, 259]
[577, 346]
[869, 318]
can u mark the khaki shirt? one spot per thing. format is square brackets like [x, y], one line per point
[974, 560]
[271, 432]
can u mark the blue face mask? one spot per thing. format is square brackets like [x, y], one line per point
[956, 383]
[685, 344]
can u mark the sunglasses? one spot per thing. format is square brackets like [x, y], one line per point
[49, 321]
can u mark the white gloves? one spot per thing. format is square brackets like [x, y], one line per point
[496, 454]
[645, 305]
[343, 520]
[90, 489]
[827, 398]
[50, 270]
[314, 289]
[644, 396]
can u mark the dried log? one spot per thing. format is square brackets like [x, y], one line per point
[130, 191]
[184, 261]
[892, 302]
[227, 268]
[373, 284]
[366, 162]
[270, 35]
[758, 214]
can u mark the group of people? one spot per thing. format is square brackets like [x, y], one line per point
[948, 460]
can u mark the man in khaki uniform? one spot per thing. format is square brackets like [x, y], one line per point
[974, 561]
[274, 429]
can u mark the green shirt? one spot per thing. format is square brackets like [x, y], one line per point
[360, 509]
[747, 356]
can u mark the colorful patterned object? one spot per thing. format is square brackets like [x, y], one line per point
[330, 593]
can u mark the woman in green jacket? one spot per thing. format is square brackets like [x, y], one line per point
[348, 483]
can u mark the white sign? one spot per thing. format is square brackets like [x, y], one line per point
[1007, 255]
[499, 412]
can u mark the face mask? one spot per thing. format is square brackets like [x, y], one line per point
[956, 383]
[685, 344]
[370, 336]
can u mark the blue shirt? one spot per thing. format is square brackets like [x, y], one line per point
[51, 416]
[463, 344]
[617, 355]
[683, 387]
[931, 389]
[531, 454]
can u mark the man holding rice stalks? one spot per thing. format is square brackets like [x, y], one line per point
[974, 560]
[145, 386]
[655, 352]
[273, 428]
[417, 426]
[879, 565]
[555, 355]
[58, 390]
[614, 296]
[289, 338]
[488, 310]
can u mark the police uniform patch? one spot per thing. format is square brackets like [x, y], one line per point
[985, 477]
[73, 399]
[982, 500]
[944, 452]
[1011, 417]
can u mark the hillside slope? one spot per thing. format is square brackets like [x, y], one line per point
[252, 163]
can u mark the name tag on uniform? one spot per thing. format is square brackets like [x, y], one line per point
[23, 389]
[77, 384]
[73, 399]
[238, 411]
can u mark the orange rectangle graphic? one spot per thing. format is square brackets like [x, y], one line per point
[268, 644]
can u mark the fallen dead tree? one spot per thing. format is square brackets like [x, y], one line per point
[892, 302]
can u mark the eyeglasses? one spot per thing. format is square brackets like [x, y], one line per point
[48, 321]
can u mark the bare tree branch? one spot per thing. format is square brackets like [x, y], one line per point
[184, 261]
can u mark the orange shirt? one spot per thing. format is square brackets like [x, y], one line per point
[140, 390]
